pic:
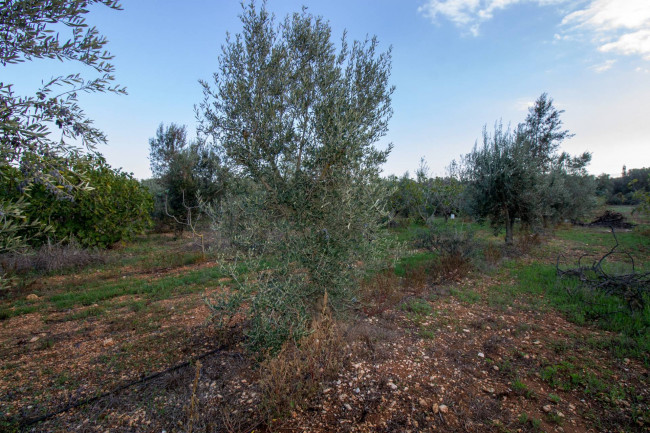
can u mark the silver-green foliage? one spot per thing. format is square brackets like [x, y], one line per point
[299, 119]
[35, 30]
[521, 175]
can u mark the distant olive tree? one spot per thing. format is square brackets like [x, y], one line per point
[406, 200]
[643, 197]
[501, 180]
[520, 174]
[186, 172]
[300, 119]
[440, 196]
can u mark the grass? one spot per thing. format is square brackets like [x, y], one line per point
[594, 240]
[412, 261]
[418, 307]
[100, 291]
[521, 388]
[536, 287]
[466, 295]
[554, 398]
[535, 423]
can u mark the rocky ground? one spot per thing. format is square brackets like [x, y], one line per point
[423, 356]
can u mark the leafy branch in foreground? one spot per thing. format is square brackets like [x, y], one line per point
[36, 29]
[26, 121]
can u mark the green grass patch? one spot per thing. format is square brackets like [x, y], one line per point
[86, 313]
[537, 286]
[465, 295]
[413, 261]
[600, 239]
[418, 307]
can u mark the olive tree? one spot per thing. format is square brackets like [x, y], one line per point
[501, 180]
[186, 172]
[520, 174]
[27, 122]
[300, 118]
[542, 132]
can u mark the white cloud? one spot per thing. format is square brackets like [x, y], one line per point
[605, 66]
[615, 26]
[469, 14]
[608, 15]
[630, 43]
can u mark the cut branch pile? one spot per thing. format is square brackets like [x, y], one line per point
[632, 287]
[611, 219]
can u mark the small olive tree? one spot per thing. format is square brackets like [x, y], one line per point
[300, 118]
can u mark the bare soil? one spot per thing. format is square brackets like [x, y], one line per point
[466, 367]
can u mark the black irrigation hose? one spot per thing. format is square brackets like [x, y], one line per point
[28, 422]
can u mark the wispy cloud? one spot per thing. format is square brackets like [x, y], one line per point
[602, 67]
[470, 14]
[615, 26]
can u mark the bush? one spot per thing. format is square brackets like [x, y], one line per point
[109, 207]
[448, 239]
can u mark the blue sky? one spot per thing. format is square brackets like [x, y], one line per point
[457, 65]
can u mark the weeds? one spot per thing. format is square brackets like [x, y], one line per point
[192, 412]
[419, 307]
[521, 388]
[299, 369]
[526, 242]
[554, 398]
[51, 258]
[492, 254]
[380, 292]
[534, 423]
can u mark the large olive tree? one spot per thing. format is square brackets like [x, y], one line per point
[300, 118]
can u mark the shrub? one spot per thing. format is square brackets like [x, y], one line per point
[448, 239]
[299, 370]
[114, 207]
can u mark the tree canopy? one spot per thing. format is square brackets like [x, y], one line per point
[35, 29]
